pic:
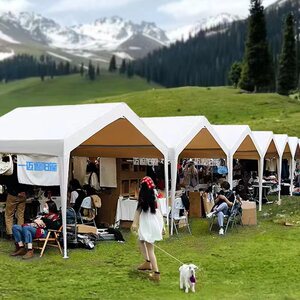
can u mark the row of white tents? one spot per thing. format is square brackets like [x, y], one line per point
[114, 130]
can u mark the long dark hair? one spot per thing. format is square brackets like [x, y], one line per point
[147, 199]
[52, 206]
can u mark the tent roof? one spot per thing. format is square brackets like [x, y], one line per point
[265, 141]
[282, 145]
[57, 130]
[294, 145]
[191, 136]
[239, 140]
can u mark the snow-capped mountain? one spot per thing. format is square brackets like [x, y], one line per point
[106, 33]
[205, 24]
[109, 33]
[96, 40]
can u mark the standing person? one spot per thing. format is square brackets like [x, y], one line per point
[148, 221]
[16, 200]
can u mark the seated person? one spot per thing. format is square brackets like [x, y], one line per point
[77, 194]
[24, 234]
[242, 190]
[223, 202]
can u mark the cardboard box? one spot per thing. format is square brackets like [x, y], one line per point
[195, 205]
[81, 228]
[249, 213]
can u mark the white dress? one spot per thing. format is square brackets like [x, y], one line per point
[150, 226]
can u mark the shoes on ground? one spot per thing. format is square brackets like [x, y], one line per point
[209, 215]
[221, 231]
[145, 266]
[29, 254]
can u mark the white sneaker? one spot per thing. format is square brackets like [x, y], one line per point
[221, 231]
[209, 215]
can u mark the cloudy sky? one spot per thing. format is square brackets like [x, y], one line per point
[165, 13]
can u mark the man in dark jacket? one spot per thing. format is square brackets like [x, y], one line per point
[16, 200]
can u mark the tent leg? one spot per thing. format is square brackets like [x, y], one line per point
[64, 162]
[279, 166]
[173, 189]
[260, 176]
[167, 187]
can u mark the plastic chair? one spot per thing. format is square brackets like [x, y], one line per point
[86, 212]
[51, 240]
[177, 207]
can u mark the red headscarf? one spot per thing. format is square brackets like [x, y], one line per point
[149, 182]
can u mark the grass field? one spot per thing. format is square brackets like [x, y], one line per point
[260, 262]
[221, 105]
[71, 89]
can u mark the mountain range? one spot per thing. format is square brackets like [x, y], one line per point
[33, 33]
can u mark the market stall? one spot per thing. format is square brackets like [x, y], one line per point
[186, 137]
[282, 145]
[265, 141]
[53, 132]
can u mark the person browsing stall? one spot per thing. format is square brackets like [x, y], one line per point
[16, 200]
[148, 223]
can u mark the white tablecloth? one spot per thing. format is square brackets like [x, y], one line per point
[127, 207]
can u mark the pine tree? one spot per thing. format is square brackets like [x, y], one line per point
[130, 70]
[287, 64]
[112, 64]
[81, 69]
[98, 70]
[91, 71]
[235, 73]
[42, 67]
[257, 74]
[122, 69]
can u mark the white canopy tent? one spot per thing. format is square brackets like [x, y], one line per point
[281, 142]
[191, 136]
[265, 141]
[112, 130]
[240, 142]
[294, 147]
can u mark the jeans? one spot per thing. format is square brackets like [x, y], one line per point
[221, 210]
[23, 234]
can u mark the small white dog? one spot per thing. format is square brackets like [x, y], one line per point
[188, 277]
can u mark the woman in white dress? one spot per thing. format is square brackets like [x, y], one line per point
[148, 222]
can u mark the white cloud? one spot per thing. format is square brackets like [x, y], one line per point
[14, 5]
[87, 5]
[183, 9]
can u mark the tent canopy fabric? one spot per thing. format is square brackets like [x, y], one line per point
[282, 145]
[56, 130]
[265, 141]
[294, 145]
[191, 136]
[239, 141]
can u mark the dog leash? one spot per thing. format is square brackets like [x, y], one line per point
[168, 254]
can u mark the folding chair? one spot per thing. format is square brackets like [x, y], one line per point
[51, 240]
[177, 206]
[235, 215]
[231, 218]
[86, 212]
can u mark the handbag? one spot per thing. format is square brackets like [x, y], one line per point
[6, 165]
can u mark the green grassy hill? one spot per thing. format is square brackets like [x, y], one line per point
[71, 89]
[221, 105]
